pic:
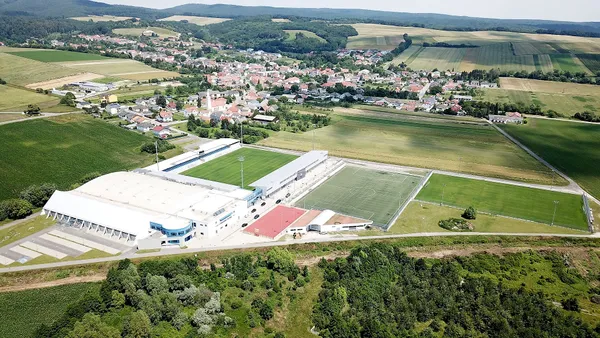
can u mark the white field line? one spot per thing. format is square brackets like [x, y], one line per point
[85, 242]
[6, 260]
[44, 250]
[408, 200]
[26, 252]
[64, 242]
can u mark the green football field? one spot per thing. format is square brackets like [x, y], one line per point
[369, 194]
[226, 169]
[506, 200]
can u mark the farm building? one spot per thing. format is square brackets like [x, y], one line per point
[149, 209]
[508, 118]
[265, 119]
[293, 171]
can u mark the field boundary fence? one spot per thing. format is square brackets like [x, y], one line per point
[412, 196]
[589, 216]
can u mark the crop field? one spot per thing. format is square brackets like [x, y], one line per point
[591, 61]
[57, 56]
[549, 86]
[292, 35]
[567, 63]
[198, 20]
[21, 71]
[26, 310]
[425, 143]
[125, 69]
[64, 149]
[364, 193]
[419, 217]
[161, 32]
[498, 55]
[564, 104]
[407, 54]
[506, 200]
[569, 146]
[101, 18]
[440, 58]
[543, 62]
[16, 99]
[226, 169]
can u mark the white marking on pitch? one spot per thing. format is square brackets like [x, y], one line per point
[85, 242]
[25, 252]
[66, 243]
[44, 250]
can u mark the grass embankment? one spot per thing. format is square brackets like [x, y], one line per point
[24, 229]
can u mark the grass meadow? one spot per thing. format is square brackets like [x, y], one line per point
[549, 86]
[25, 311]
[161, 32]
[506, 200]
[421, 217]
[64, 149]
[22, 71]
[58, 56]
[364, 193]
[198, 20]
[571, 147]
[226, 169]
[440, 58]
[426, 143]
[292, 35]
[17, 99]
[120, 68]
[564, 104]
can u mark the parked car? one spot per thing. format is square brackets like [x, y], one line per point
[287, 195]
[256, 216]
[278, 201]
[263, 204]
[253, 211]
[244, 225]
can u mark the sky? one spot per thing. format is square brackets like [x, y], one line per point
[572, 10]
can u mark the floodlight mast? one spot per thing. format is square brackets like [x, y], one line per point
[241, 159]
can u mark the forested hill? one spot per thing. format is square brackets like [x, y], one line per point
[73, 8]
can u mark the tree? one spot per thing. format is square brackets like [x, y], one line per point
[156, 284]
[180, 320]
[470, 213]
[32, 109]
[91, 326]
[161, 101]
[279, 259]
[38, 195]
[68, 99]
[571, 304]
[203, 132]
[118, 299]
[435, 90]
[137, 325]
[15, 209]
[201, 317]
[2, 82]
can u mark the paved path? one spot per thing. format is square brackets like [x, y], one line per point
[558, 119]
[278, 243]
[41, 116]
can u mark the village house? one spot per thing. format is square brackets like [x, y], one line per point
[161, 132]
[164, 116]
[511, 117]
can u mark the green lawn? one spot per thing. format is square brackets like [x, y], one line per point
[24, 311]
[226, 169]
[421, 217]
[506, 200]
[368, 194]
[57, 55]
[64, 149]
[24, 229]
[573, 148]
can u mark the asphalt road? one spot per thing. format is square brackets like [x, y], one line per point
[41, 116]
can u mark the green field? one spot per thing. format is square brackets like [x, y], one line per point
[564, 104]
[292, 35]
[16, 99]
[591, 61]
[440, 58]
[64, 149]
[571, 147]
[120, 68]
[198, 20]
[226, 169]
[161, 32]
[57, 56]
[425, 143]
[24, 311]
[566, 63]
[364, 193]
[506, 200]
[419, 217]
[21, 71]
[499, 55]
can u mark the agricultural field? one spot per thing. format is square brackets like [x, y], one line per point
[571, 147]
[38, 151]
[17, 99]
[419, 217]
[543, 62]
[407, 54]
[226, 169]
[280, 20]
[567, 63]
[198, 20]
[564, 104]
[5, 117]
[57, 56]
[552, 87]
[101, 18]
[506, 200]
[21, 71]
[591, 61]
[420, 142]
[161, 32]
[27, 310]
[292, 35]
[364, 193]
[498, 55]
[121, 68]
[440, 58]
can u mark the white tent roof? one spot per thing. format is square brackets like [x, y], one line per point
[322, 218]
[274, 179]
[106, 214]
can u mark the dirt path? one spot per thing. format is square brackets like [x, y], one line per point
[64, 281]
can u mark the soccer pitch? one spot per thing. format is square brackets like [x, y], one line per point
[507, 200]
[369, 194]
[226, 169]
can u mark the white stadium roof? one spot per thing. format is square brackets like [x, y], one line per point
[322, 218]
[275, 178]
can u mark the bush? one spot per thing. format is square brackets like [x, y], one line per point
[38, 195]
[571, 304]
[456, 224]
[151, 147]
[15, 209]
[470, 213]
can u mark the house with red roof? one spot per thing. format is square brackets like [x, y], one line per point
[161, 132]
[164, 116]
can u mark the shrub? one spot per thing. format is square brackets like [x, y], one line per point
[38, 195]
[470, 213]
[15, 209]
[162, 145]
[571, 304]
[456, 224]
